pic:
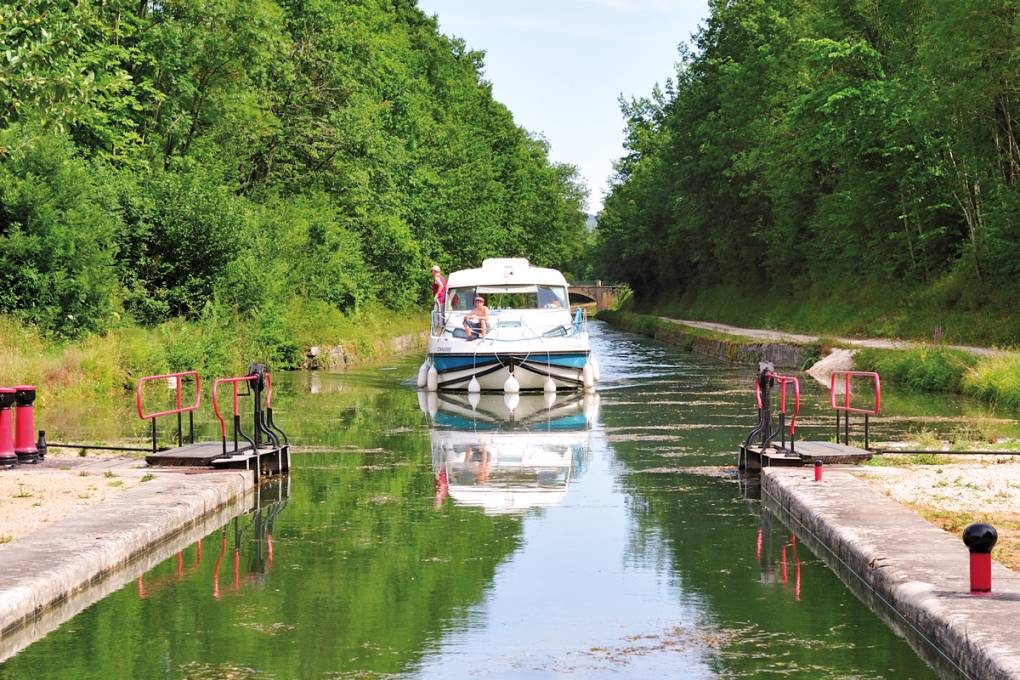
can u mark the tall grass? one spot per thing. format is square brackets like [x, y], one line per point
[930, 368]
[107, 365]
[996, 379]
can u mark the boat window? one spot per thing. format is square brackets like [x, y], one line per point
[552, 297]
[509, 297]
[460, 299]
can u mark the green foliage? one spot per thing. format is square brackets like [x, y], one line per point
[180, 233]
[57, 227]
[812, 149]
[199, 166]
[996, 379]
[930, 368]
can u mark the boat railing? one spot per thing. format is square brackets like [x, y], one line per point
[580, 324]
[438, 324]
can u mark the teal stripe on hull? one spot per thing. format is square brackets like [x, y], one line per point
[458, 422]
[444, 363]
[457, 362]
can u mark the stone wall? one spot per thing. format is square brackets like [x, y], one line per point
[336, 357]
[782, 355]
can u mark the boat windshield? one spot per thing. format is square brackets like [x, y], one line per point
[508, 297]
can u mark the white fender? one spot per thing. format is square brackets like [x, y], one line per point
[550, 386]
[511, 386]
[433, 379]
[423, 374]
[511, 400]
[474, 387]
[591, 407]
[474, 398]
[550, 399]
[423, 402]
[587, 378]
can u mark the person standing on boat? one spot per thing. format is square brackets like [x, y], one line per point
[438, 286]
[476, 322]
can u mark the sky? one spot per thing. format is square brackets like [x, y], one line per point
[561, 65]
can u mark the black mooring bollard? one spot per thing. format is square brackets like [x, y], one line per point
[980, 539]
[818, 470]
[40, 444]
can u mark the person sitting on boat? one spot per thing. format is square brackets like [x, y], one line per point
[476, 466]
[476, 322]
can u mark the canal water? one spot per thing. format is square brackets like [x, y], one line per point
[433, 537]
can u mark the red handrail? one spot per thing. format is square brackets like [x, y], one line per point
[216, 406]
[783, 381]
[178, 377]
[847, 404]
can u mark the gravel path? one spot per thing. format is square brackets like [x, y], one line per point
[983, 486]
[978, 489]
[33, 496]
[761, 334]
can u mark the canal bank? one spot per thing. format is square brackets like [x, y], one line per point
[718, 344]
[382, 564]
[990, 374]
[109, 544]
[913, 573]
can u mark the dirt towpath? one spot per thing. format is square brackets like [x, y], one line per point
[798, 338]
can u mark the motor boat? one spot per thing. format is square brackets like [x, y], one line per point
[507, 453]
[532, 340]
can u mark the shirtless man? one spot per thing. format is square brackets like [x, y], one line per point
[476, 323]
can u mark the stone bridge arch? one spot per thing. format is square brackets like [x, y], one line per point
[603, 296]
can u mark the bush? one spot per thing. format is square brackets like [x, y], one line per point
[181, 231]
[57, 226]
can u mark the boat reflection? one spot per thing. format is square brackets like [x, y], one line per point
[507, 453]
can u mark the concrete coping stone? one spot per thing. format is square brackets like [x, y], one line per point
[919, 570]
[59, 561]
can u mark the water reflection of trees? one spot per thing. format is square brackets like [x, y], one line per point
[365, 575]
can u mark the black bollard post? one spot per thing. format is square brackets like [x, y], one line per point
[40, 444]
[980, 539]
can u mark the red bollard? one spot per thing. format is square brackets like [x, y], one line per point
[24, 425]
[818, 470]
[7, 455]
[980, 539]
